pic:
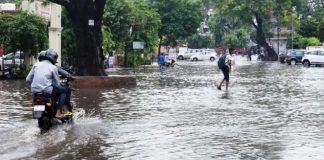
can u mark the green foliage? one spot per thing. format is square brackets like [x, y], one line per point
[23, 71]
[200, 41]
[236, 38]
[180, 18]
[138, 57]
[120, 16]
[116, 18]
[311, 8]
[320, 30]
[145, 22]
[308, 27]
[25, 32]
[68, 39]
[289, 18]
[107, 39]
[296, 42]
[301, 42]
[236, 14]
[313, 41]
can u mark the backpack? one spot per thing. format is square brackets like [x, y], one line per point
[221, 61]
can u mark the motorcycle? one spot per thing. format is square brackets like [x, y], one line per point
[45, 106]
[168, 64]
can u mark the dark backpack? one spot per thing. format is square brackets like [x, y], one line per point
[221, 61]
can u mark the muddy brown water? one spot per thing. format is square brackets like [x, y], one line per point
[271, 111]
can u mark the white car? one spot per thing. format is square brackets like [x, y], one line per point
[6, 61]
[315, 57]
[204, 56]
[187, 54]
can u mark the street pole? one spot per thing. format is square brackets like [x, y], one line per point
[292, 32]
[278, 30]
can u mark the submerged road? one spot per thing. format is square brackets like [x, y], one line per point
[271, 111]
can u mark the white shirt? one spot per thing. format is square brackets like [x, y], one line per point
[228, 60]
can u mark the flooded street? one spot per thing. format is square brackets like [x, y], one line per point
[271, 111]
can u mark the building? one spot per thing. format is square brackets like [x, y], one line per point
[6, 8]
[281, 33]
[51, 13]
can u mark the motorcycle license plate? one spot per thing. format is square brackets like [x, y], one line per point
[39, 107]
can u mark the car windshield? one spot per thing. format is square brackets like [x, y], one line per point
[10, 55]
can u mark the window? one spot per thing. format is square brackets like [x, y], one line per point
[299, 53]
[320, 53]
[312, 53]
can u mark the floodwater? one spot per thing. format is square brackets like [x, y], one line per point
[271, 111]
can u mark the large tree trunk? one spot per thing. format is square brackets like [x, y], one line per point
[261, 40]
[86, 18]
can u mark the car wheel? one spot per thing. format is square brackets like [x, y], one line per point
[293, 62]
[195, 59]
[181, 58]
[212, 59]
[306, 63]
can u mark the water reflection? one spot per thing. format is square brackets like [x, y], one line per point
[271, 111]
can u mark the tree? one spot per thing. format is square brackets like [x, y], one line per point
[236, 38]
[24, 32]
[308, 27]
[180, 19]
[320, 30]
[301, 42]
[256, 14]
[199, 41]
[86, 17]
[68, 40]
[123, 15]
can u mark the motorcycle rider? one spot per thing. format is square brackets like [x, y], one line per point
[65, 74]
[44, 78]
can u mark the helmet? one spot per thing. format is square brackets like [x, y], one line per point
[41, 55]
[51, 55]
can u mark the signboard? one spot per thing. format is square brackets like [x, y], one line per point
[8, 7]
[91, 22]
[138, 45]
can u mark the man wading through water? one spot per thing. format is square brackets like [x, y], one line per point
[225, 64]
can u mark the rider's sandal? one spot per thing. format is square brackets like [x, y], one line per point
[67, 113]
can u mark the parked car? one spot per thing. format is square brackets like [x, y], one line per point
[295, 56]
[187, 54]
[315, 57]
[206, 55]
[11, 59]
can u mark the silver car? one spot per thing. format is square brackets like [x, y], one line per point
[11, 59]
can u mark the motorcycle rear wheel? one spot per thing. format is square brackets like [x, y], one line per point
[44, 123]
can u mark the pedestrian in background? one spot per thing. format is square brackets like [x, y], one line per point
[225, 65]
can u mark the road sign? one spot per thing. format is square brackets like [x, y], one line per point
[138, 45]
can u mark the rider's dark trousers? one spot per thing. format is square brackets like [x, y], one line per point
[62, 91]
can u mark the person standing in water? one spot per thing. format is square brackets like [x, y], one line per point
[225, 65]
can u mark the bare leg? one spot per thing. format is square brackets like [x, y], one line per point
[58, 113]
[220, 85]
